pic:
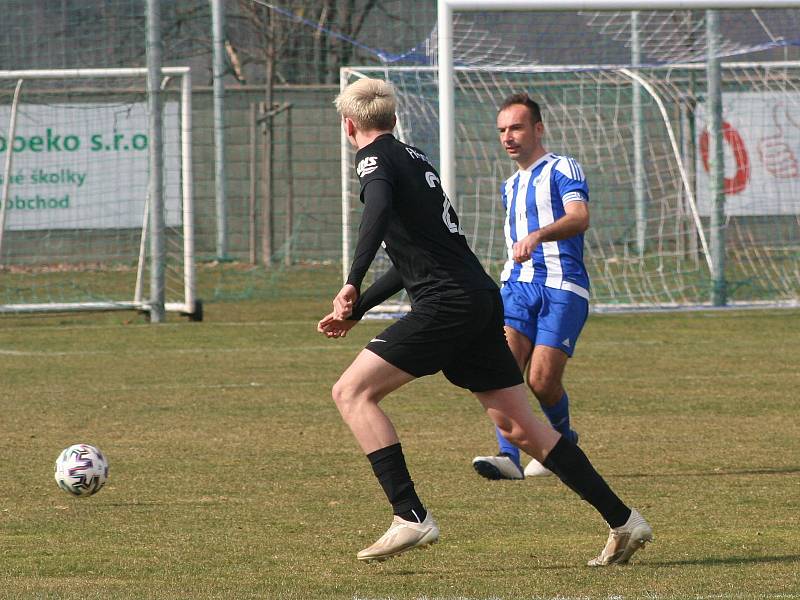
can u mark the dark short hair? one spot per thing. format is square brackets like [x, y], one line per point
[525, 100]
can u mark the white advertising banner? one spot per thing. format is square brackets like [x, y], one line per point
[85, 166]
[762, 154]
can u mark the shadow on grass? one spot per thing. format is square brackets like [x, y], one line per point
[646, 562]
[715, 473]
[727, 560]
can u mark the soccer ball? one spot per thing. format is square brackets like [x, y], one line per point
[81, 470]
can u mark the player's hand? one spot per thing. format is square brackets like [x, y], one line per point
[331, 327]
[344, 301]
[523, 249]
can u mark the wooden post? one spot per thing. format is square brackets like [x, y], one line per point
[253, 177]
[266, 214]
[289, 187]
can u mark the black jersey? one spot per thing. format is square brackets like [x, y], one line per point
[424, 239]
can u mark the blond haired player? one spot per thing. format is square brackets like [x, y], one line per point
[455, 326]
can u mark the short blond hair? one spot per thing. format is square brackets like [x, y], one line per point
[370, 103]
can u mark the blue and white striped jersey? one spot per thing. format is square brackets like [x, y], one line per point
[534, 198]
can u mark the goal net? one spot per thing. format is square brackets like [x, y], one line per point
[74, 177]
[647, 246]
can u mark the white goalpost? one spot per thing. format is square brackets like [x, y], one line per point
[75, 200]
[693, 163]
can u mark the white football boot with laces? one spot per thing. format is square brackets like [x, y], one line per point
[497, 467]
[623, 541]
[402, 536]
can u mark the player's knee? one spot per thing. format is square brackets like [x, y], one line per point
[342, 396]
[347, 397]
[546, 389]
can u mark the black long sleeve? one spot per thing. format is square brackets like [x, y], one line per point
[386, 286]
[377, 197]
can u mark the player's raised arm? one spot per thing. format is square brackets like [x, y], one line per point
[386, 286]
[574, 222]
[570, 188]
[377, 196]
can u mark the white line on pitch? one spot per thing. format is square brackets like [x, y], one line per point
[116, 352]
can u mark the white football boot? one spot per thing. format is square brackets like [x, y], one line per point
[497, 467]
[402, 536]
[623, 541]
[536, 469]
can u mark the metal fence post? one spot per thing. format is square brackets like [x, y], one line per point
[156, 161]
[716, 162]
[218, 45]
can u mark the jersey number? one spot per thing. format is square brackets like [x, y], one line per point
[433, 180]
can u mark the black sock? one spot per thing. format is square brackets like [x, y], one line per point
[573, 468]
[389, 467]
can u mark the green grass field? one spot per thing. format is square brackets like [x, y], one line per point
[232, 475]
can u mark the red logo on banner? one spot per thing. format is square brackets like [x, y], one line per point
[737, 183]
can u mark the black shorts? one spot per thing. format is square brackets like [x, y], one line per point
[462, 337]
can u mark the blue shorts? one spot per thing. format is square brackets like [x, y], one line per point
[546, 316]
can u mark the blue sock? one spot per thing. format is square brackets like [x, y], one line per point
[507, 447]
[558, 415]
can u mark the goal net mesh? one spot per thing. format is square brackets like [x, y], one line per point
[77, 192]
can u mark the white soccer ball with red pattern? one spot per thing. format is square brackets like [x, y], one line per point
[81, 470]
